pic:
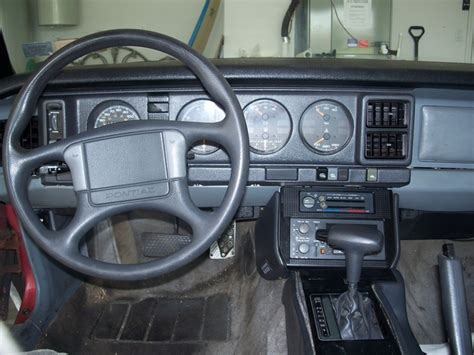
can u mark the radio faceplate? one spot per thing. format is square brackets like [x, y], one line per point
[336, 202]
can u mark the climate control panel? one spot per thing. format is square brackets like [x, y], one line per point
[304, 245]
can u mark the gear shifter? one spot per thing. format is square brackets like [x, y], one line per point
[352, 309]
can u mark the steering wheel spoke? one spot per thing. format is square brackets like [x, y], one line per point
[179, 204]
[85, 218]
[27, 160]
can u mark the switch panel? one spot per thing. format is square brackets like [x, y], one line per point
[304, 245]
[55, 120]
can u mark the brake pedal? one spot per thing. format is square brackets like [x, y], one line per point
[224, 247]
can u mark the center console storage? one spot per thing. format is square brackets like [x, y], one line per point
[338, 247]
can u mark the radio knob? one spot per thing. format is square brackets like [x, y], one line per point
[303, 228]
[303, 248]
[308, 202]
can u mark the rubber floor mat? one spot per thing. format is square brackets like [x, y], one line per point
[166, 320]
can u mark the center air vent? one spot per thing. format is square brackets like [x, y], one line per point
[386, 130]
[387, 113]
[386, 145]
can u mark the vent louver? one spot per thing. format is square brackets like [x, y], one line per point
[386, 135]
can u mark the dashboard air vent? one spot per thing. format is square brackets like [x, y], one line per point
[30, 138]
[386, 145]
[387, 113]
[387, 129]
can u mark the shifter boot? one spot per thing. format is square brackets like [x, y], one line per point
[355, 316]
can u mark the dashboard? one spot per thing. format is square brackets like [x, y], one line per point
[303, 129]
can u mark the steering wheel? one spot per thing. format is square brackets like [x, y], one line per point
[127, 166]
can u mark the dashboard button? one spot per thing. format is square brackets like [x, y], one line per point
[372, 175]
[303, 248]
[303, 228]
[332, 174]
[343, 174]
[322, 174]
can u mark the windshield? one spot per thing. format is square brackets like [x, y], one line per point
[424, 30]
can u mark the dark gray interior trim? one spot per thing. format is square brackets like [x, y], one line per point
[260, 70]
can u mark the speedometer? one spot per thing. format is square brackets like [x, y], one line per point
[202, 111]
[326, 126]
[268, 124]
[111, 112]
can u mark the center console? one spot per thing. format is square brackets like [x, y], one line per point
[320, 239]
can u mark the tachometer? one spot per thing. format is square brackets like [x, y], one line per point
[202, 111]
[268, 124]
[111, 112]
[326, 126]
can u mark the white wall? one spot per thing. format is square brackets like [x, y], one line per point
[175, 18]
[446, 28]
[252, 27]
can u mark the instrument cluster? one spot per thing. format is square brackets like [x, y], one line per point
[325, 127]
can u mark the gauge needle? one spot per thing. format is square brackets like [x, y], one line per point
[317, 110]
[319, 141]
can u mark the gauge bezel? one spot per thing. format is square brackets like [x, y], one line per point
[101, 107]
[348, 116]
[187, 105]
[260, 152]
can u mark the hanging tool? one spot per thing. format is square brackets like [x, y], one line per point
[416, 32]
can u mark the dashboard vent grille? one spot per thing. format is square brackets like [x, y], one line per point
[385, 145]
[30, 138]
[387, 114]
[387, 122]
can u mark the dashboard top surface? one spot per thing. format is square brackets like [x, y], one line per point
[293, 86]
[298, 71]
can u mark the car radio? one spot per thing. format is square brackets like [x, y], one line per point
[336, 202]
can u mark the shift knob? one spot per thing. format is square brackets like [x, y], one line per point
[356, 241]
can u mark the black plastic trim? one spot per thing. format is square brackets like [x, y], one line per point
[317, 71]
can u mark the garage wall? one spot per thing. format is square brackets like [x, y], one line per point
[446, 25]
[252, 28]
[175, 18]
